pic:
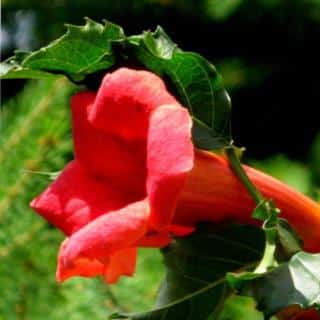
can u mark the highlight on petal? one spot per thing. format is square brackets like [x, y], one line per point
[169, 160]
[124, 101]
[75, 198]
[102, 239]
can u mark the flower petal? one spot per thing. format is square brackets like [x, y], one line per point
[181, 230]
[212, 193]
[124, 101]
[81, 267]
[107, 155]
[101, 239]
[156, 240]
[169, 161]
[123, 262]
[76, 198]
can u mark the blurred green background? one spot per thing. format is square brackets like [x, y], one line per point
[267, 52]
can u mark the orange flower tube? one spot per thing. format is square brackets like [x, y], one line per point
[214, 193]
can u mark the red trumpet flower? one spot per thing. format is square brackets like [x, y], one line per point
[137, 179]
[296, 313]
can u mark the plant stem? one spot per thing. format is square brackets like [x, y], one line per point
[238, 169]
[268, 260]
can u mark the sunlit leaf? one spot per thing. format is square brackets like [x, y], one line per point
[81, 51]
[296, 282]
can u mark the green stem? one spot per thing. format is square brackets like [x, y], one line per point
[268, 258]
[238, 169]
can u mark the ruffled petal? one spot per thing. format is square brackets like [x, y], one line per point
[122, 262]
[101, 239]
[107, 155]
[169, 160]
[81, 267]
[75, 198]
[124, 101]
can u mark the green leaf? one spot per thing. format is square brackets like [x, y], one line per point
[239, 308]
[158, 43]
[281, 244]
[81, 51]
[195, 286]
[296, 282]
[196, 83]
[11, 70]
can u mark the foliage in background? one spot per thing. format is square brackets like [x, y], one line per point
[35, 136]
[296, 174]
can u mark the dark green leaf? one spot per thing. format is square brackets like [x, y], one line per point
[204, 138]
[296, 282]
[195, 285]
[194, 81]
[268, 213]
[81, 51]
[282, 243]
